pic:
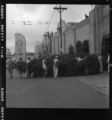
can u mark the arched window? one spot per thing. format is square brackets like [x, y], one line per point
[82, 47]
[79, 47]
[71, 50]
[86, 46]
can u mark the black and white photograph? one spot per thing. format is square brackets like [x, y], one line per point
[57, 56]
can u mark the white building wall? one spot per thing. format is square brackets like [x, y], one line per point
[70, 39]
[55, 43]
[92, 28]
[82, 33]
[91, 32]
[99, 15]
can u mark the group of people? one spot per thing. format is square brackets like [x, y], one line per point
[10, 65]
[45, 68]
[11, 62]
[55, 67]
[101, 65]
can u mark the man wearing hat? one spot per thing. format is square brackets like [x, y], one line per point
[28, 67]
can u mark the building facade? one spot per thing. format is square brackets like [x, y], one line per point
[39, 49]
[8, 53]
[37, 46]
[55, 43]
[101, 27]
[70, 37]
[94, 29]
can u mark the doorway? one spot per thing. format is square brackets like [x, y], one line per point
[105, 49]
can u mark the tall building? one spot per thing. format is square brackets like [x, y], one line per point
[8, 53]
[37, 50]
[20, 46]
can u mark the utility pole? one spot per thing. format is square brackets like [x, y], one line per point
[47, 35]
[49, 41]
[60, 10]
[51, 37]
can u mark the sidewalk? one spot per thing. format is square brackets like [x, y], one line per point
[98, 82]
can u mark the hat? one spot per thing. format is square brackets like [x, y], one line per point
[56, 56]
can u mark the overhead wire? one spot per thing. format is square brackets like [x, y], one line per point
[30, 23]
[50, 20]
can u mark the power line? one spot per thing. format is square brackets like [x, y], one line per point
[31, 23]
[50, 20]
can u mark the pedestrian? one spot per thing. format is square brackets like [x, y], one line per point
[108, 62]
[55, 66]
[28, 67]
[20, 67]
[10, 67]
[78, 59]
[100, 62]
[44, 66]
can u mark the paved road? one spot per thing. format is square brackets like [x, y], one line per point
[53, 93]
[99, 82]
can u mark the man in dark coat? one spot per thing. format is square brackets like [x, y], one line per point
[10, 67]
[28, 68]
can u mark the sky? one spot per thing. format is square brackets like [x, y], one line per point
[38, 15]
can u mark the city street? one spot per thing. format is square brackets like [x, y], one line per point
[65, 92]
[64, 50]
